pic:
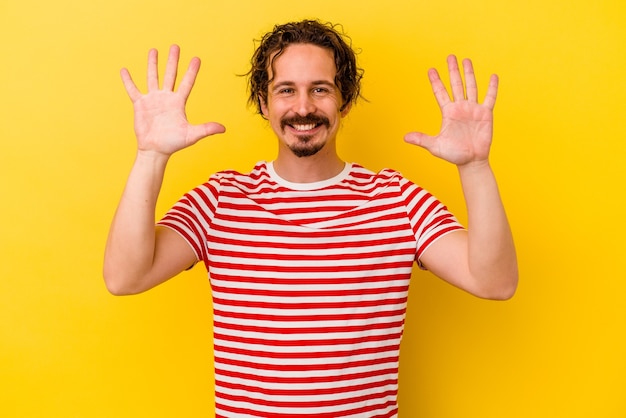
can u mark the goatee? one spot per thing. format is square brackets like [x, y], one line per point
[303, 148]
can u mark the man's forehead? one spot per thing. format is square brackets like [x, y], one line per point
[305, 54]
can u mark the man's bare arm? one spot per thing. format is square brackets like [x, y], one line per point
[482, 260]
[139, 256]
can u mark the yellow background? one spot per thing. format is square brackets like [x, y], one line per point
[558, 349]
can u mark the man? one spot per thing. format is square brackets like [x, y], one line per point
[309, 257]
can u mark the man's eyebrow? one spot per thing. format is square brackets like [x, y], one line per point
[327, 82]
[285, 83]
[288, 83]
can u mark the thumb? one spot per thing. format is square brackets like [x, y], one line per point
[197, 132]
[421, 140]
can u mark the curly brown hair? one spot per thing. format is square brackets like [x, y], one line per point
[325, 35]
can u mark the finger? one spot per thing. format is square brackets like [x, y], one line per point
[492, 92]
[131, 89]
[197, 132]
[421, 140]
[171, 69]
[189, 78]
[441, 94]
[456, 83]
[153, 70]
[470, 81]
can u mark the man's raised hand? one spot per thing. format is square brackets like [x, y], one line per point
[466, 126]
[161, 124]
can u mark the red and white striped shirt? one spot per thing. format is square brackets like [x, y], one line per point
[310, 285]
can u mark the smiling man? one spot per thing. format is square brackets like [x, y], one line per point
[309, 257]
[303, 102]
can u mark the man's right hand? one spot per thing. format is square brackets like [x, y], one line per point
[138, 256]
[161, 124]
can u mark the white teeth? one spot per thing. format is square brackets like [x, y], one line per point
[304, 127]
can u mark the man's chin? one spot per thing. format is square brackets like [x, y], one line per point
[305, 149]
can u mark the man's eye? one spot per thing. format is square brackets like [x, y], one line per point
[285, 91]
[320, 90]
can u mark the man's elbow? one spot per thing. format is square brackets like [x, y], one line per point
[502, 294]
[118, 284]
[504, 289]
[117, 290]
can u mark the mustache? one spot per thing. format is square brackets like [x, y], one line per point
[311, 118]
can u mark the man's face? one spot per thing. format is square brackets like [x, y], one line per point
[303, 102]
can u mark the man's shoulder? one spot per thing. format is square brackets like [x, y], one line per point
[259, 173]
[384, 175]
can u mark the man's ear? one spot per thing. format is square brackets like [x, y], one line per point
[263, 105]
[346, 109]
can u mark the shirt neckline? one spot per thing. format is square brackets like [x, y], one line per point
[308, 186]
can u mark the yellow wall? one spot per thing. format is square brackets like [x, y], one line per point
[558, 349]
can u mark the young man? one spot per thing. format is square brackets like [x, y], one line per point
[309, 257]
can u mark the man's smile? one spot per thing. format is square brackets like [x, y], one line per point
[304, 127]
[305, 123]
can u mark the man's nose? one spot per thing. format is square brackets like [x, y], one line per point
[304, 104]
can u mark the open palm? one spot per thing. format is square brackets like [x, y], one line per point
[467, 126]
[161, 123]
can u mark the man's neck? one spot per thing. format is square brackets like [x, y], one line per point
[318, 167]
